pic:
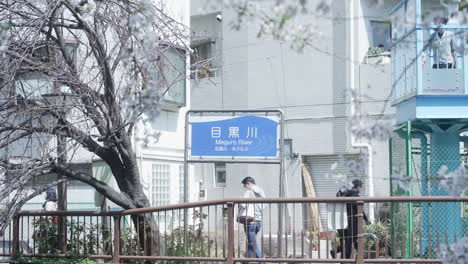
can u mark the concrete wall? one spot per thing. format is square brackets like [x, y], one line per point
[311, 88]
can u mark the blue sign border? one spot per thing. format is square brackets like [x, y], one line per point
[243, 136]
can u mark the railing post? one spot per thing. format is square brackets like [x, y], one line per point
[360, 218]
[116, 252]
[62, 233]
[230, 249]
[15, 244]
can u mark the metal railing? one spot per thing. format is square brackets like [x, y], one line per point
[420, 68]
[209, 231]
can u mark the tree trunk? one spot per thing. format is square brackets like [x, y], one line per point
[129, 182]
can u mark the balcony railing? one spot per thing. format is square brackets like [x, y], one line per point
[208, 232]
[418, 71]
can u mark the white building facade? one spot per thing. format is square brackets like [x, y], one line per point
[313, 89]
[160, 159]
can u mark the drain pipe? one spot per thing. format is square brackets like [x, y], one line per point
[370, 181]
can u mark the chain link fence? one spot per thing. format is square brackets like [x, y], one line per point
[421, 156]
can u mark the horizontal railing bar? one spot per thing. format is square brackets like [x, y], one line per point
[251, 200]
[68, 213]
[66, 256]
[444, 27]
[173, 258]
[417, 260]
[294, 260]
[301, 260]
[351, 199]
[441, 27]
[299, 200]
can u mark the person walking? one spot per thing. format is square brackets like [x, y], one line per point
[250, 215]
[50, 203]
[341, 232]
[352, 215]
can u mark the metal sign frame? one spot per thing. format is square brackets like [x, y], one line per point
[279, 161]
[233, 114]
[265, 160]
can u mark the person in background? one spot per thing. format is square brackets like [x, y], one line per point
[442, 47]
[341, 234]
[50, 203]
[253, 227]
[348, 236]
[352, 215]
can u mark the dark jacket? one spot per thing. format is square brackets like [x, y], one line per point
[351, 211]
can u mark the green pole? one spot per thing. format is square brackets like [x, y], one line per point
[409, 206]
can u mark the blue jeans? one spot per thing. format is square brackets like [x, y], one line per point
[251, 231]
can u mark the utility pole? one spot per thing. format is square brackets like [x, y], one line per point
[62, 193]
[62, 186]
[282, 190]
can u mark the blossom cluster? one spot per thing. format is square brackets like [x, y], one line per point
[455, 182]
[143, 97]
[457, 253]
[362, 126]
[401, 179]
[346, 168]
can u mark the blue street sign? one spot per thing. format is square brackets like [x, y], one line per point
[246, 136]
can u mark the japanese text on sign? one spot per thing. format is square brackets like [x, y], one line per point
[239, 136]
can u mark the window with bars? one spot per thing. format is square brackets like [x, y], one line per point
[160, 182]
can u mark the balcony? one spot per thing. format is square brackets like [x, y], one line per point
[425, 84]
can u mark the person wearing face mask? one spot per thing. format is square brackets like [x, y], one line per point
[442, 46]
[251, 215]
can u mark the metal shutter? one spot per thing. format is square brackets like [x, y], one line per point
[319, 168]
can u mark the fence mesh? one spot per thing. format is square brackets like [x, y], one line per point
[420, 161]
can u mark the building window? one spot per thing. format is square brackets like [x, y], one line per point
[160, 182]
[181, 184]
[201, 60]
[220, 174]
[85, 168]
[174, 75]
[34, 84]
[202, 52]
[381, 34]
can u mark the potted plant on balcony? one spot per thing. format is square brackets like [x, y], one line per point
[204, 70]
[377, 55]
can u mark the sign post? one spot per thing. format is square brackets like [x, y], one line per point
[235, 136]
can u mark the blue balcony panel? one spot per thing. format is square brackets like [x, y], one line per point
[426, 84]
[433, 107]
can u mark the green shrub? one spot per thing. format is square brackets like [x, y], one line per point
[381, 230]
[81, 239]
